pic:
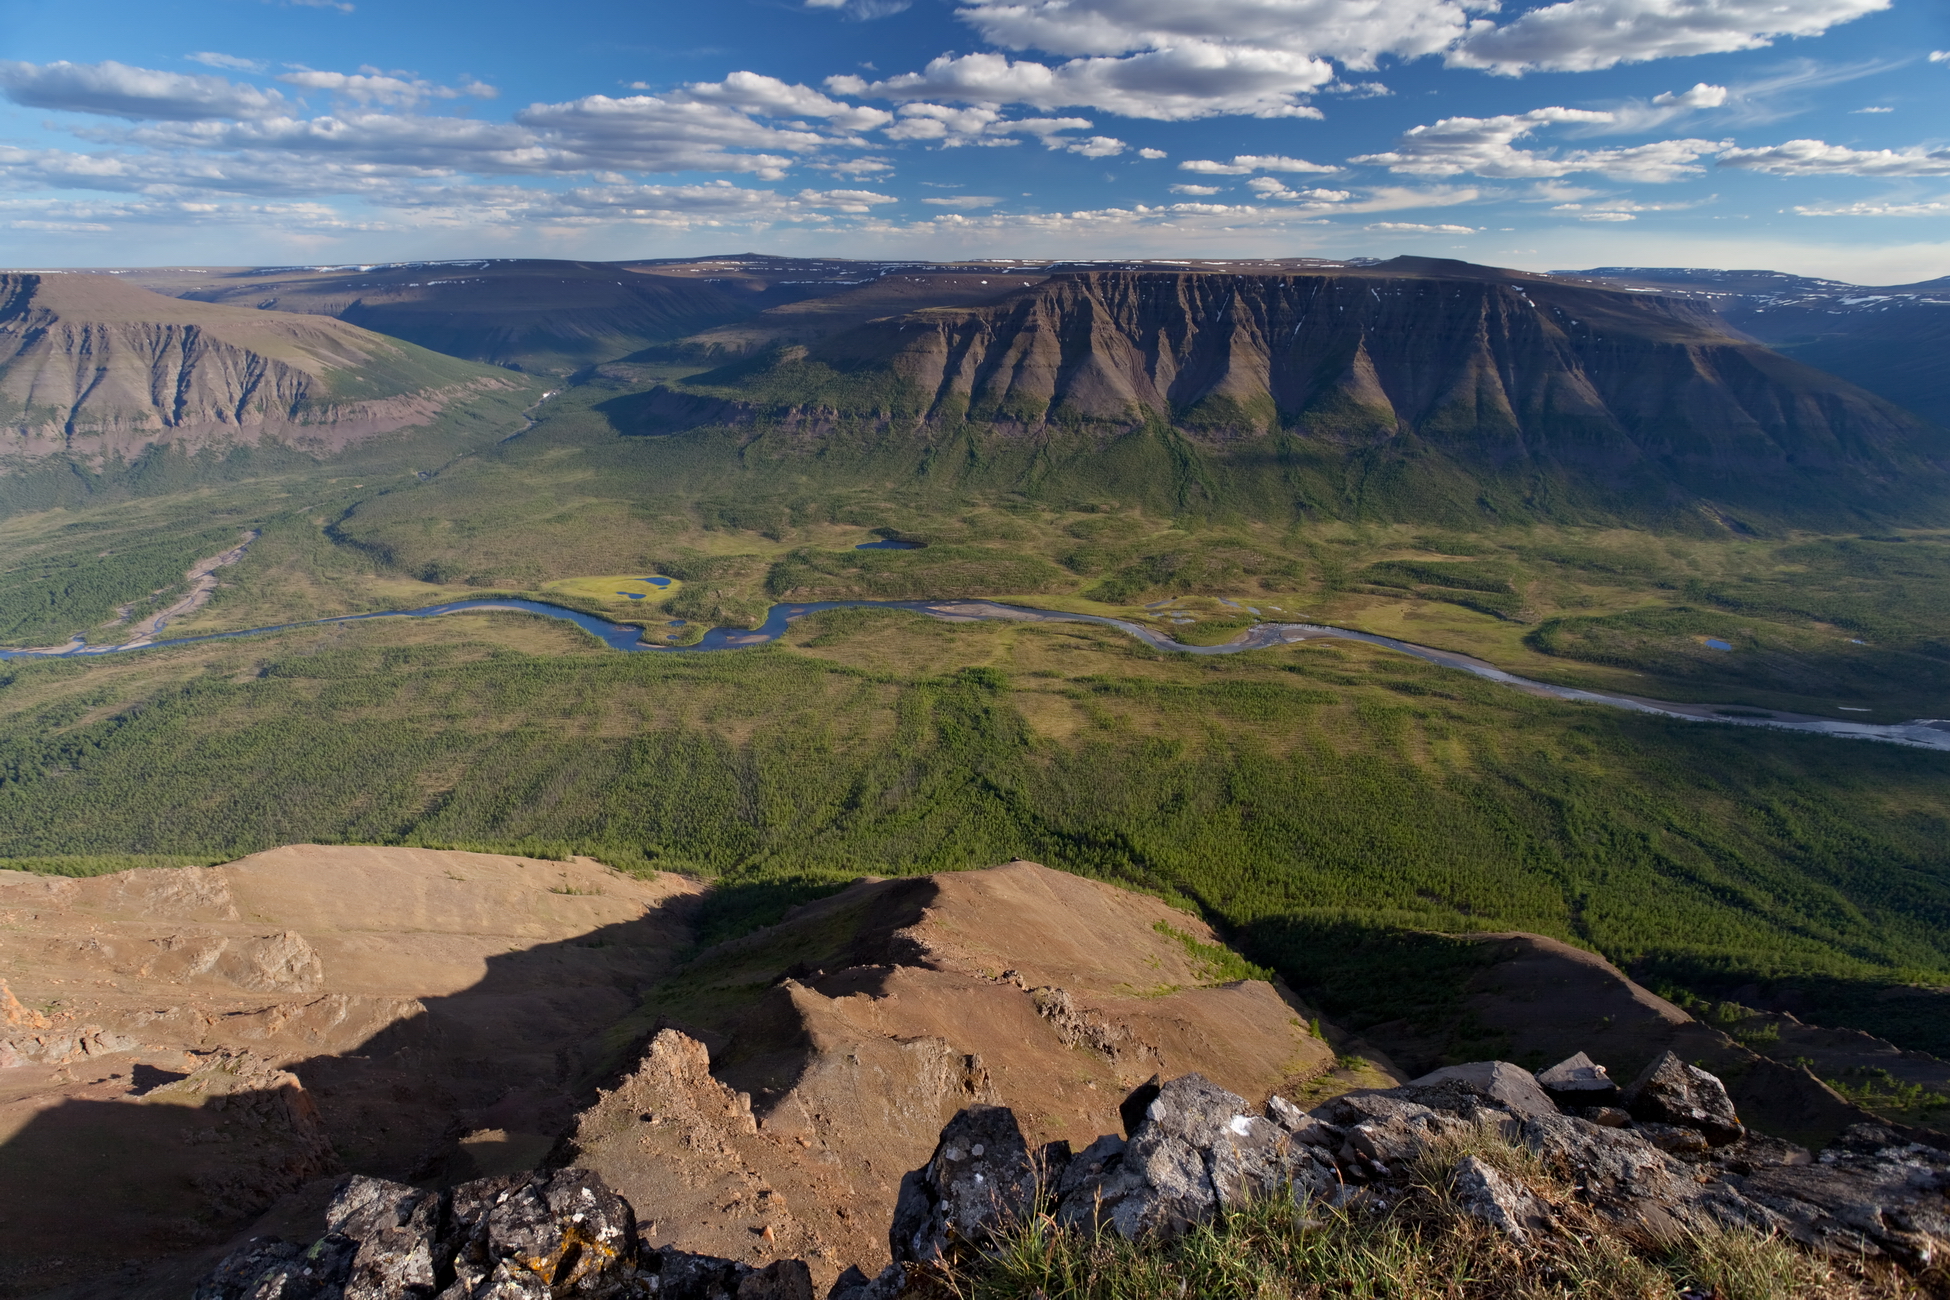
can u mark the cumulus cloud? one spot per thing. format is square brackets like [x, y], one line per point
[1170, 60]
[1182, 82]
[1587, 35]
[1486, 146]
[965, 201]
[1635, 116]
[1417, 228]
[1152, 155]
[113, 89]
[1246, 163]
[1818, 158]
[1203, 191]
[371, 86]
[753, 92]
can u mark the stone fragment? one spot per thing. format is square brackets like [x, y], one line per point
[1512, 1087]
[673, 1274]
[567, 1228]
[1870, 1193]
[270, 1269]
[1578, 1081]
[1605, 1116]
[782, 1279]
[891, 1283]
[1669, 1091]
[1499, 1200]
[979, 1178]
[1673, 1139]
[1301, 1126]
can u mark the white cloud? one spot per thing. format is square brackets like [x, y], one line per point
[861, 10]
[1639, 115]
[1587, 35]
[754, 92]
[1246, 163]
[1097, 146]
[1416, 228]
[1940, 56]
[1936, 208]
[1873, 109]
[1180, 83]
[1152, 155]
[1203, 191]
[1607, 214]
[117, 90]
[1817, 158]
[212, 60]
[966, 201]
[1485, 146]
[370, 86]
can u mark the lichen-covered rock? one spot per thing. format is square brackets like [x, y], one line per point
[979, 1178]
[1670, 1091]
[1196, 1150]
[1870, 1193]
[1505, 1204]
[398, 1230]
[267, 1268]
[568, 1229]
[1577, 1082]
[1673, 1139]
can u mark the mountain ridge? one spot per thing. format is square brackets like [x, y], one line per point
[1493, 372]
[99, 370]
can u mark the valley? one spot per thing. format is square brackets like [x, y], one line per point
[1275, 603]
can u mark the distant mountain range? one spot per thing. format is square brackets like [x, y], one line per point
[1892, 340]
[1411, 387]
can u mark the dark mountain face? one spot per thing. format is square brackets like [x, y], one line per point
[1891, 340]
[1490, 371]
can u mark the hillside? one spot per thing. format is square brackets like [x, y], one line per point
[1890, 339]
[1412, 387]
[96, 372]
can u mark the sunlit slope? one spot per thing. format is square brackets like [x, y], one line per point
[96, 371]
[1412, 389]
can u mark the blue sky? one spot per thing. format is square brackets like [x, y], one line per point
[1810, 136]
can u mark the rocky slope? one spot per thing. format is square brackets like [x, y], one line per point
[201, 1053]
[98, 370]
[1443, 367]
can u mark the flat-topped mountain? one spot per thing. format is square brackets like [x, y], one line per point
[96, 369]
[1437, 375]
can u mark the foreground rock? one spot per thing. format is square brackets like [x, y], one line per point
[1195, 1150]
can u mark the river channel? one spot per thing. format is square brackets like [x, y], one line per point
[1929, 733]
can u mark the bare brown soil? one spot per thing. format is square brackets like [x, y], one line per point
[181, 1049]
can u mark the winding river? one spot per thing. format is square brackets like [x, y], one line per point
[1928, 733]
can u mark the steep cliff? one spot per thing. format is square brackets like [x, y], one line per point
[98, 370]
[1477, 371]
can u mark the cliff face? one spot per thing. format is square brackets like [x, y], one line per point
[1502, 366]
[98, 369]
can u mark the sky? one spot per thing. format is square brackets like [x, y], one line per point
[1807, 136]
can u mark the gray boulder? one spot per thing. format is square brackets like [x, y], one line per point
[1577, 1082]
[979, 1178]
[1872, 1192]
[267, 1268]
[1669, 1091]
[1509, 1086]
[1197, 1149]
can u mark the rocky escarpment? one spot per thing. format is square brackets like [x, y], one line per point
[98, 370]
[1493, 372]
[1485, 1142]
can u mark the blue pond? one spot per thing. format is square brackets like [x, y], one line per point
[888, 544]
[1714, 643]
